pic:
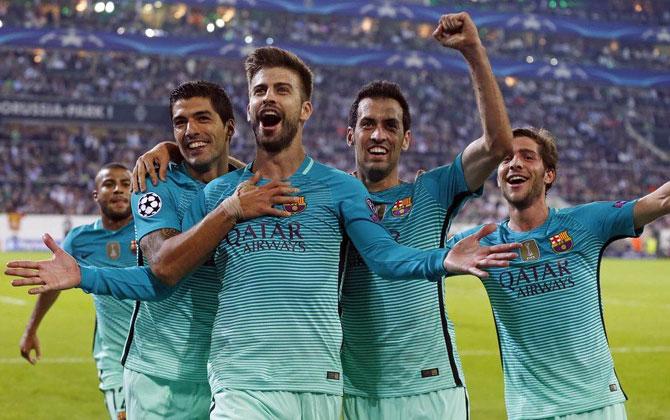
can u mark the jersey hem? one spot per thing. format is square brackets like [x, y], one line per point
[398, 395]
[159, 372]
[582, 410]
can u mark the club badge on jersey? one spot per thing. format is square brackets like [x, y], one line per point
[561, 242]
[297, 206]
[149, 205]
[402, 207]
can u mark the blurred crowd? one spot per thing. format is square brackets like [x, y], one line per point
[259, 27]
[611, 139]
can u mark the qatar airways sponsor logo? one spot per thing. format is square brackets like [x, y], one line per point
[253, 237]
[537, 279]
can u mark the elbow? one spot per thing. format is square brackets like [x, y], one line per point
[499, 145]
[164, 272]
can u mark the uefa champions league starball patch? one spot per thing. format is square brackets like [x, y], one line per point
[149, 205]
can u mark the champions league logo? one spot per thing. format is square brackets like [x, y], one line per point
[149, 205]
[296, 207]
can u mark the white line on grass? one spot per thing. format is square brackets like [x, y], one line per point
[47, 360]
[656, 349]
[466, 353]
[12, 301]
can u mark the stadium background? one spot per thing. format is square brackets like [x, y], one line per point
[86, 82]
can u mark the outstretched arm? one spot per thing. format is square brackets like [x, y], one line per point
[62, 272]
[482, 156]
[652, 206]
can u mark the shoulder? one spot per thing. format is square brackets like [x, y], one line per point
[334, 177]
[224, 183]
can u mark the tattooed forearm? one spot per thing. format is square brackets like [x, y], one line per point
[151, 243]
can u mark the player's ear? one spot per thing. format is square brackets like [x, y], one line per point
[406, 140]
[305, 111]
[549, 176]
[230, 127]
[95, 194]
[350, 136]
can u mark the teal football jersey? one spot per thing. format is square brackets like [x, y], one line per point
[548, 312]
[277, 325]
[170, 338]
[398, 339]
[94, 245]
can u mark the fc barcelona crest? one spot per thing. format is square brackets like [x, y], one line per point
[561, 242]
[297, 206]
[402, 207]
[113, 250]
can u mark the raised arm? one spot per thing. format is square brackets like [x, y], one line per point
[652, 206]
[482, 156]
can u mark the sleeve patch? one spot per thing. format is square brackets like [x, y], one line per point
[619, 204]
[149, 205]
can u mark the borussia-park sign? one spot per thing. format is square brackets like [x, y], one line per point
[19, 108]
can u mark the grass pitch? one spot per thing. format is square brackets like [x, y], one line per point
[63, 385]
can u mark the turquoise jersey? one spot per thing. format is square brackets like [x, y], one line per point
[548, 312]
[398, 339]
[94, 245]
[277, 325]
[170, 338]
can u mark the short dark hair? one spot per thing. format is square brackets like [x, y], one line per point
[114, 165]
[547, 145]
[381, 89]
[203, 89]
[269, 57]
[110, 165]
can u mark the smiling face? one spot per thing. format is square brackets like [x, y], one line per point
[202, 137]
[523, 176]
[112, 193]
[378, 138]
[276, 109]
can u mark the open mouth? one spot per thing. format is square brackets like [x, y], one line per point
[269, 118]
[197, 144]
[377, 151]
[516, 179]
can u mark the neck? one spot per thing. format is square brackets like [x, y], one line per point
[528, 218]
[215, 170]
[389, 181]
[282, 164]
[110, 224]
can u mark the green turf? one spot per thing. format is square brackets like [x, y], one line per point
[637, 313]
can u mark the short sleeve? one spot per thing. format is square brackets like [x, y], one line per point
[447, 184]
[155, 209]
[608, 220]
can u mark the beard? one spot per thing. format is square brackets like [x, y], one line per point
[378, 174]
[527, 200]
[284, 138]
[115, 216]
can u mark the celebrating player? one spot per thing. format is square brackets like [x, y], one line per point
[283, 357]
[399, 352]
[107, 242]
[547, 305]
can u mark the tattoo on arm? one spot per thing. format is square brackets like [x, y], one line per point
[151, 243]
